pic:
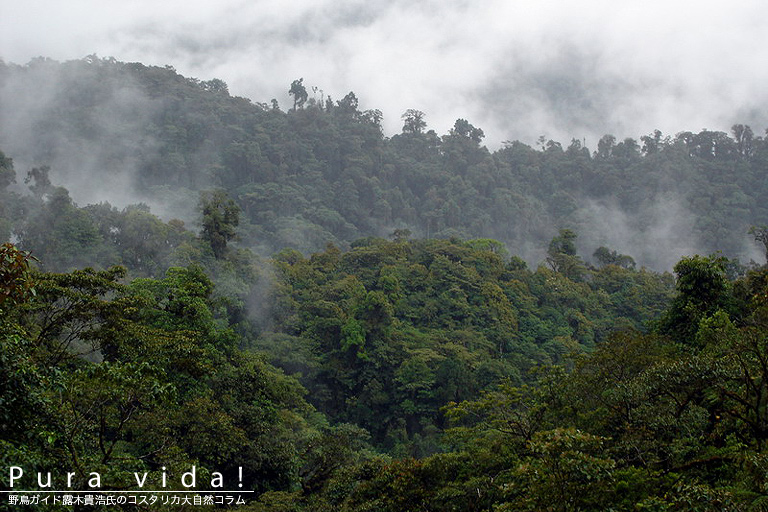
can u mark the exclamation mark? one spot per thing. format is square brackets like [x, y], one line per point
[240, 475]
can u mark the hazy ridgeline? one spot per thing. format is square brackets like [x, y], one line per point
[320, 170]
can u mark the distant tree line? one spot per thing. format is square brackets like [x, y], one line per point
[324, 171]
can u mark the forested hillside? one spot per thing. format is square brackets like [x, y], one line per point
[320, 170]
[360, 322]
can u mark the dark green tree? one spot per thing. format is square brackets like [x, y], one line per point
[562, 257]
[652, 144]
[221, 215]
[744, 139]
[563, 243]
[605, 146]
[349, 103]
[702, 290]
[413, 121]
[464, 128]
[299, 93]
[605, 256]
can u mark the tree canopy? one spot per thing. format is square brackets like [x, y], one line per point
[354, 321]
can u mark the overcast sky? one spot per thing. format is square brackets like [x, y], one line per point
[517, 69]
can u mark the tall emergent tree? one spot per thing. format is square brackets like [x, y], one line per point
[562, 257]
[221, 216]
[299, 93]
[413, 121]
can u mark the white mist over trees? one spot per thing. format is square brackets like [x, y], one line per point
[516, 69]
[413, 361]
[324, 172]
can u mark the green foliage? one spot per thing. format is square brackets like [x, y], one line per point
[221, 216]
[316, 174]
[605, 256]
[299, 93]
[126, 377]
[561, 255]
[413, 121]
[638, 424]
[702, 291]
[102, 376]
[568, 470]
[16, 283]
[387, 333]
[485, 385]
[61, 232]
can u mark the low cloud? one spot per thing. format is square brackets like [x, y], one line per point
[518, 70]
[656, 237]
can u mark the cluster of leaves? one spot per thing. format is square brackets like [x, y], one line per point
[387, 333]
[114, 378]
[99, 376]
[644, 422]
[546, 406]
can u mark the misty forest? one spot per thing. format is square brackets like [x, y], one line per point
[365, 322]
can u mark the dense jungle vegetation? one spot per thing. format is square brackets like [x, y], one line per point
[347, 316]
[322, 171]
